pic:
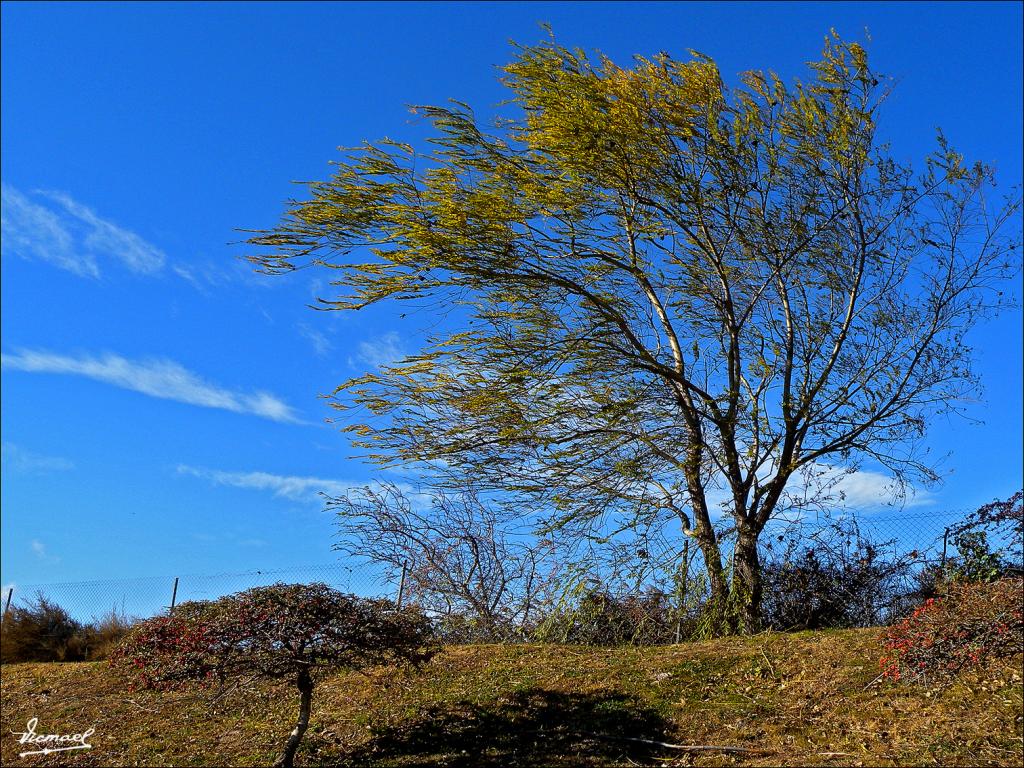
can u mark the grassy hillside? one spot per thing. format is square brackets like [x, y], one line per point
[789, 699]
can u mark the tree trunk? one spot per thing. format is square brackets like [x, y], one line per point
[719, 585]
[304, 683]
[715, 620]
[746, 588]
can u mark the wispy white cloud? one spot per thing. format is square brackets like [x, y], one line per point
[381, 351]
[291, 487]
[71, 235]
[32, 231]
[871, 489]
[105, 238]
[859, 489]
[322, 346]
[211, 276]
[296, 488]
[19, 459]
[39, 550]
[827, 486]
[159, 378]
[202, 276]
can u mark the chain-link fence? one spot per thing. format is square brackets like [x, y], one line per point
[865, 570]
[921, 537]
[136, 598]
[915, 540]
[832, 569]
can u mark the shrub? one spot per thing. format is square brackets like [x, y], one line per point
[968, 626]
[989, 546]
[292, 632]
[843, 581]
[41, 631]
[989, 542]
[103, 635]
[976, 561]
[602, 618]
[468, 629]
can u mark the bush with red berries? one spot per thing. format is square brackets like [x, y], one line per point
[294, 632]
[965, 628]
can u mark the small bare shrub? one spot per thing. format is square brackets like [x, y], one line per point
[102, 635]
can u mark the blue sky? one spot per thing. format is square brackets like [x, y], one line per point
[160, 400]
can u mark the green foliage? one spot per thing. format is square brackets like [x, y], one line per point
[986, 546]
[663, 284]
[976, 560]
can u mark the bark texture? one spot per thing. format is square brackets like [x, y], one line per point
[304, 683]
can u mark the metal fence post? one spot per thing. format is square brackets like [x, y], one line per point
[945, 540]
[174, 594]
[7, 603]
[401, 587]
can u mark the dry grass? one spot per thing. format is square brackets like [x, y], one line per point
[792, 699]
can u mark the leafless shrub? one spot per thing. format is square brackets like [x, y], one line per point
[839, 577]
[463, 564]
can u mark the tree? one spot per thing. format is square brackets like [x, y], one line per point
[671, 298]
[284, 631]
[461, 564]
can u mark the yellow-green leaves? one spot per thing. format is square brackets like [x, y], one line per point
[656, 279]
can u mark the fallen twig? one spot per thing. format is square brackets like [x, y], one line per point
[144, 709]
[775, 675]
[874, 682]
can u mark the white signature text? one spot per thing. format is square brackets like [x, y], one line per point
[51, 742]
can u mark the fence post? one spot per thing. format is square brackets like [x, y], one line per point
[174, 594]
[7, 603]
[945, 539]
[401, 587]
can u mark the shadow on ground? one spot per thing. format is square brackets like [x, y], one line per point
[529, 729]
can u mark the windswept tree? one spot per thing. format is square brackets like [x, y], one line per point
[672, 297]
